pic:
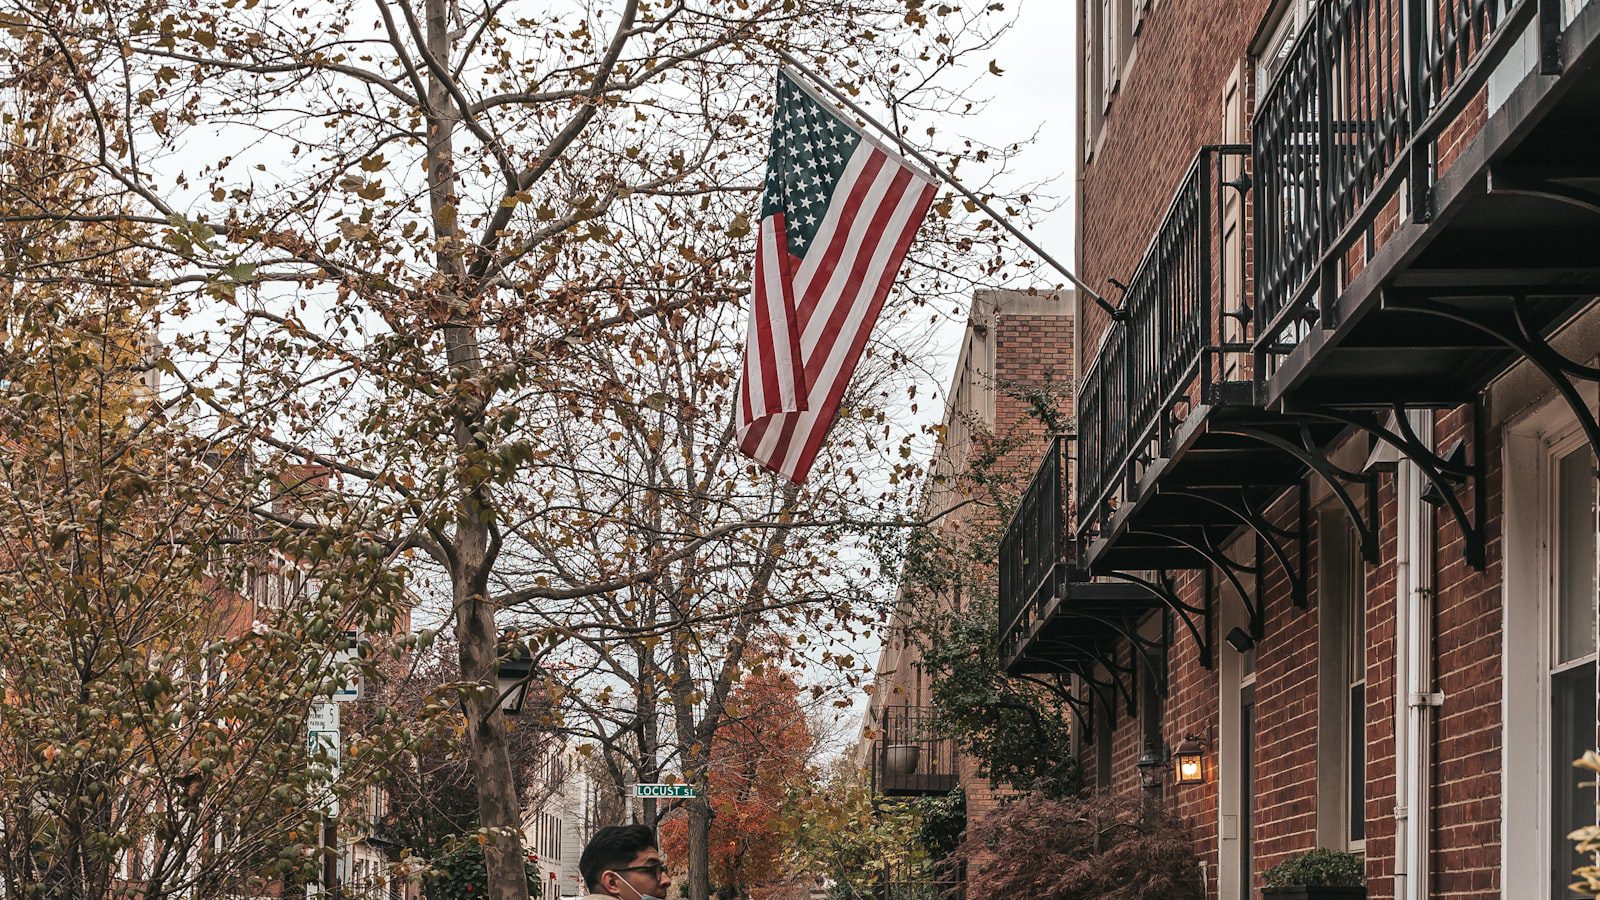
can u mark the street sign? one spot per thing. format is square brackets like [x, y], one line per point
[326, 745]
[651, 791]
[324, 716]
[322, 741]
[346, 657]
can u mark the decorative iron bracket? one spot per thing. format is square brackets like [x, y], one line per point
[1545, 183]
[1197, 620]
[1562, 373]
[1121, 676]
[1447, 473]
[1082, 708]
[1231, 569]
[1363, 515]
[1275, 539]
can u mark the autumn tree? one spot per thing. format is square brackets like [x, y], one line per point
[152, 713]
[384, 231]
[756, 760]
[654, 662]
[430, 808]
[835, 827]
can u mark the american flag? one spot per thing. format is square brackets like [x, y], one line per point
[837, 218]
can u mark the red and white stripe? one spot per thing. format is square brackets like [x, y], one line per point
[773, 379]
[838, 289]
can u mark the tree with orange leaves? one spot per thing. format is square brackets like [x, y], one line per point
[756, 759]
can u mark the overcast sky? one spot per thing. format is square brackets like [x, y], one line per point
[1034, 95]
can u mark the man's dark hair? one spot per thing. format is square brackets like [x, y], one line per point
[614, 847]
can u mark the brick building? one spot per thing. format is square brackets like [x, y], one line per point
[1332, 519]
[1016, 348]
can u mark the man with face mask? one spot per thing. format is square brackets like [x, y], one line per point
[623, 861]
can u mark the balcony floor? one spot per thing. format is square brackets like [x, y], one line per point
[1166, 523]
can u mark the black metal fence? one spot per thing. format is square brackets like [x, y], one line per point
[1368, 86]
[944, 880]
[1158, 352]
[1037, 539]
[909, 734]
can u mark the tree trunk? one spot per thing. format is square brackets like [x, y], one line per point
[699, 886]
[498, 808]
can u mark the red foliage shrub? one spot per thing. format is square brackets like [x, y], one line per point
[1101, 846]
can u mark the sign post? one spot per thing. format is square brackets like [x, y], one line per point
[322, 748]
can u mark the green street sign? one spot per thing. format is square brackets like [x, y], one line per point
[652, 791]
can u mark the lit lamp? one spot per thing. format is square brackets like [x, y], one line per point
[512, 676]
[1189, 762]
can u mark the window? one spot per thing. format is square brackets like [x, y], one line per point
[1102, 743]
[1273, 52]
[1109, 28]
[1148, 667]
[1355, 707]
[1571, 653]
[1110, 52]
[1342, 685]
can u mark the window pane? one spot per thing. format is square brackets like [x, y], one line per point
[1575, 585]
[1357, 800]
[1572, 731]
[1247, 752]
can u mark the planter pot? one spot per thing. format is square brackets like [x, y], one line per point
[902, 759]
[1314, 893]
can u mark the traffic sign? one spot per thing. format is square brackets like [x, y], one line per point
[650, 791]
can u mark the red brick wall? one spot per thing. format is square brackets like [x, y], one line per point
[1169, 105]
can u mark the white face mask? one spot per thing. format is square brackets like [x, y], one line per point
[637, 894]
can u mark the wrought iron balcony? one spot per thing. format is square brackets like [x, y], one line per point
[1426, 205]
[908, 758]
[1367, 90]
[1036, 551]
[1170, 352]
[1053, 618]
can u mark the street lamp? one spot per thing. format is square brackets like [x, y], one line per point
[512, 676]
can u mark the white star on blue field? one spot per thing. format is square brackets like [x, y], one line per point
[810, 146]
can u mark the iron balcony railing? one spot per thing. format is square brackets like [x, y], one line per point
[1365, 91]
[1036, 540]
[1170, 342]
[910, 759]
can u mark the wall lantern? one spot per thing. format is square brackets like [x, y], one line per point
[1189, 762]
[1150, 765]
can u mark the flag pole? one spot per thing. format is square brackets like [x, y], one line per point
[1116, 312]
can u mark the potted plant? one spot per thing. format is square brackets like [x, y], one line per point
[1317, 875]
[902, 759]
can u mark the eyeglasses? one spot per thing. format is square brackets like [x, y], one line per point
[654, 870]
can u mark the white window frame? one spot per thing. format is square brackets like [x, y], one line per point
[1110, 27]
[1287, 22]
[1532, 447]
[1339, 637]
